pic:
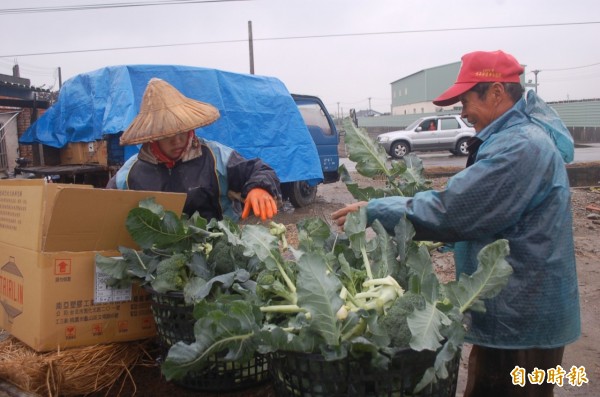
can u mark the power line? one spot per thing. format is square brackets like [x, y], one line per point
[124, 48]
[304, 37]
[85, 7]
[571, 68]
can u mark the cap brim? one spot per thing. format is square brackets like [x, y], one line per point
[450, 96]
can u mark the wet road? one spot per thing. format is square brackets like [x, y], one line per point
[587, 153]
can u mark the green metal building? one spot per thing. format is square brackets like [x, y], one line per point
[413, 94]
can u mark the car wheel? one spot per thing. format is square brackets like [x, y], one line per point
[399, 149]
[300, 193]
[462, 147]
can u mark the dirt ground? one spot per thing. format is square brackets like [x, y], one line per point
[583, 353]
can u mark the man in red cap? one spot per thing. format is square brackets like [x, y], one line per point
[515, 187]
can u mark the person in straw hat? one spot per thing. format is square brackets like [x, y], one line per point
[515, 187]
[173, 159]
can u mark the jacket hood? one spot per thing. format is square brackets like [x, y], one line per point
[546, 117]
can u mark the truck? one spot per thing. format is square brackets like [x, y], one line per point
[79, 134]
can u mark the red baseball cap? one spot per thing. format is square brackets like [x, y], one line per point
[481, 67]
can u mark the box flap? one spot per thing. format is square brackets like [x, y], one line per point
[22, 204]
[94, 219]
[50, 193]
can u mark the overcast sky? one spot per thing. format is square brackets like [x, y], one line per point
[345, 51]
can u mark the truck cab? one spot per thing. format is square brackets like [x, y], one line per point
[326, 138]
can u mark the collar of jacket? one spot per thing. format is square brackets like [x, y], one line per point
[191, 152]
[504, 121]
[473, 146]
[512, 116]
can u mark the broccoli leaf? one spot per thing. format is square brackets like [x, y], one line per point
[222, 281]
[370, 158]
[131, 266]
[356, 230]
[455, 337]
[403, 177]
[318, 293]
[359, 193]
[412, 180]
[425, 326]
[258, 241]
[116, 269]
[487, 281]
[151, 205]
[313, 233]
[150, 230]
[229, 329]
[199, 267]
[384, 253]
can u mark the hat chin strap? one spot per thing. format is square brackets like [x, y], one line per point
[163, 158]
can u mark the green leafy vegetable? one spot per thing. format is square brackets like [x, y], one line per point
[338, 305]
[199, 257]
[361, 293]
[402, 177]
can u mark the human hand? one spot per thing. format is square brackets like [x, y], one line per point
[339, 216]
[262, 204]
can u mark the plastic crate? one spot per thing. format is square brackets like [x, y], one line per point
[302, 374]
[175, 322]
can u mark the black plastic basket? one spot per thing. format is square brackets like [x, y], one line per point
[175, 322]
[302, 374]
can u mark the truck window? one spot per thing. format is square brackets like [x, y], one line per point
[313, 117]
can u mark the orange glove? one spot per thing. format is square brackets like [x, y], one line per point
[262, 203]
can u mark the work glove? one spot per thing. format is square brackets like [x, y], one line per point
[262, 204]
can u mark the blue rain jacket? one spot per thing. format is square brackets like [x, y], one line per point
[517, 189]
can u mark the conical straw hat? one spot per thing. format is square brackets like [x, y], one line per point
[166, 112]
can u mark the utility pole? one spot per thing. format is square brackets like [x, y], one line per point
[535, 72]
[338, 114]
[251, 45]
[59, 78]
[369, 106]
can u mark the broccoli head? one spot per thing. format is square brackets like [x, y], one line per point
[226, 257]
[395, 322]
[271, 289]
[171, 274]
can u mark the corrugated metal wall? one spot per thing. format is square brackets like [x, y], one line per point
[584, 113]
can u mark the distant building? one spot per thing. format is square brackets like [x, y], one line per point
[367, 113]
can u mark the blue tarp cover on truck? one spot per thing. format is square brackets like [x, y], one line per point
[259, 118]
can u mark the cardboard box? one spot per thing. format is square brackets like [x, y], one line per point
[50, 293]
[84, 153]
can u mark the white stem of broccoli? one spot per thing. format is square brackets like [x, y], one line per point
[363, 251]
[137, 255]
[282, 309]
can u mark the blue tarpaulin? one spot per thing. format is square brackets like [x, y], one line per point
[259, 118]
